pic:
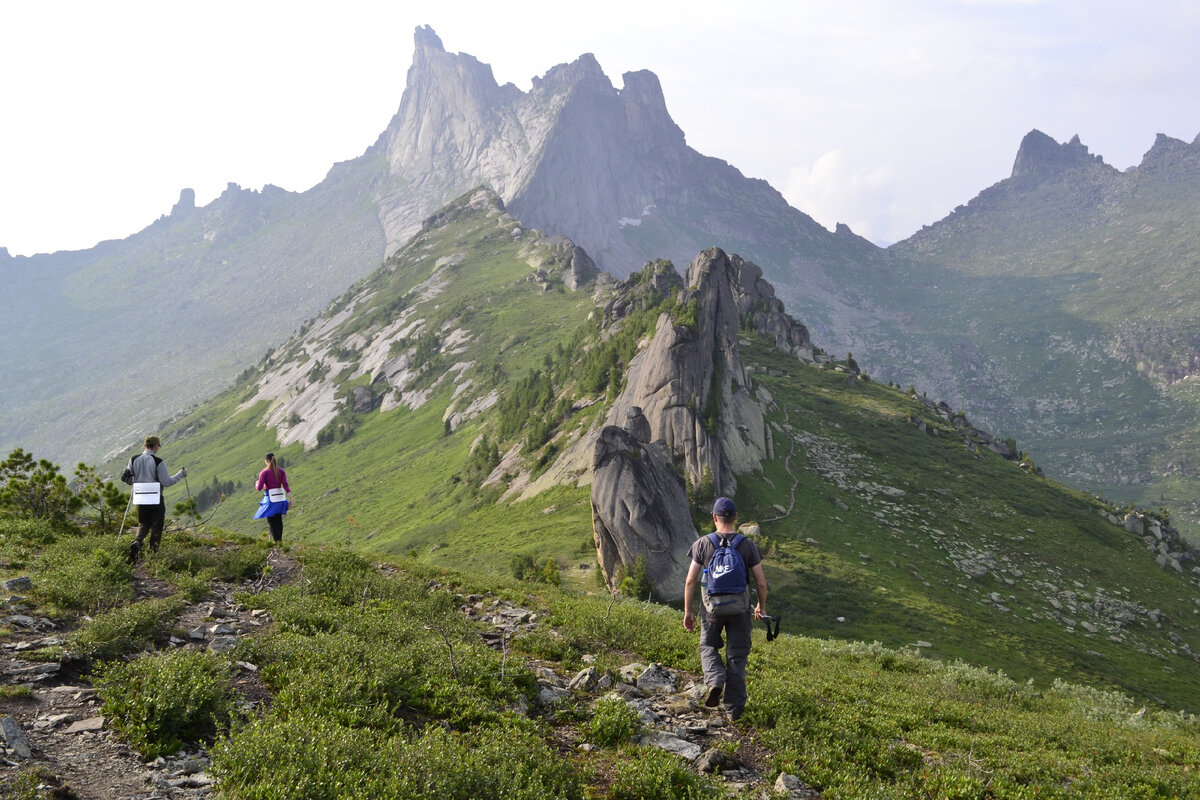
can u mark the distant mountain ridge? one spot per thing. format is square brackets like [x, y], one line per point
[212, 288]
[1064, 299]
[1055, 307]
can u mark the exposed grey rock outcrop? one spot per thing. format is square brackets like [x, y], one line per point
[689, 393]
[636, 424]
[640, 508]
[690, 381]
[1039, 155]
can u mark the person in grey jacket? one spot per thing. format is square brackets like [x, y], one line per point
[149, 468]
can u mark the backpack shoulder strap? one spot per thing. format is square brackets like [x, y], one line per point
[736, 540]
[715, 539]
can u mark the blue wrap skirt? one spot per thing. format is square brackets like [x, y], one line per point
[268, 509]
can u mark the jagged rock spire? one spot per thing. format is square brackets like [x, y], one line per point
[697, 415]
[1039, 155]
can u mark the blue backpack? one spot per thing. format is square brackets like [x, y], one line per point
[725, 590]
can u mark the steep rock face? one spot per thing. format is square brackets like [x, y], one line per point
[457, 128]
[1039, 155]
[689, 393]
[640, 508]
[690, 381]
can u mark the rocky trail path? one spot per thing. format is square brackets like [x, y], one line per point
[51, 723]
[787, 466]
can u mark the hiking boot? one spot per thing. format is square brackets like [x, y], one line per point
[734, 714]
[134, 549]
[714, 697]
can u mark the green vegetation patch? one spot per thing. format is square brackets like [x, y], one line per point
[365, 650]
[310, 757]
[865, 721]
[160, 702]
[126, 630]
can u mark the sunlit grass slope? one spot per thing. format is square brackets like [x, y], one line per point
[875, 528]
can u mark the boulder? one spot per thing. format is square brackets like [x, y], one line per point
[656, 678]
[640, 508]
[636, 424]
[14, 737]
[21, 584]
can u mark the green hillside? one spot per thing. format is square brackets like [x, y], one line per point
[1064, 306]
[881, 520]
[342, 678]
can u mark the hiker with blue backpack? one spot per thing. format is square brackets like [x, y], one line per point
[723, 563]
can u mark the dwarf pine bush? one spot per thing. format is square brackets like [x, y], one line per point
[652, 773]
[614, 722]
[125, 631]
[158, 703]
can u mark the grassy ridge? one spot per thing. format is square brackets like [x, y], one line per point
[890, 564]
[381, 687]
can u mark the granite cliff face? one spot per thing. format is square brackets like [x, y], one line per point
[688, 393]
[1039, 155]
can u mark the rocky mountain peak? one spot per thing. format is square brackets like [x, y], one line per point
[1040, 156]
[567, 76]
[426, 39]
[187, 202]
[1169, 152]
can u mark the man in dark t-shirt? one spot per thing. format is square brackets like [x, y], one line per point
[726, 677]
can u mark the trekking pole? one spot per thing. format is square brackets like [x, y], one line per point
[121, 532]
[191, 503]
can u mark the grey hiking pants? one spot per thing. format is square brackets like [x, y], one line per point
[730, 672]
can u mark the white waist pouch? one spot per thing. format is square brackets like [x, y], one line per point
[147, 494]
[276, 495]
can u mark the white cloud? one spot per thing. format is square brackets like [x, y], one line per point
[836, 189]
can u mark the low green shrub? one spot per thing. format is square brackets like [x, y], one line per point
[192, 588]
[23, 786]
[303, 756]
[614, 722]
[125, 631]
[158, 703]
[653, 632]
[494, 763]
[27, 532]
[652, 774]
[83, 574]
[360, 647]
[546, 644]
[188, 554]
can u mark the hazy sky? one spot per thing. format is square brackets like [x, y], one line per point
[884, 115]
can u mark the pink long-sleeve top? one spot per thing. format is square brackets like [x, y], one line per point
[269, 480]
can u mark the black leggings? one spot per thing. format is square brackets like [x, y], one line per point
[275, 523]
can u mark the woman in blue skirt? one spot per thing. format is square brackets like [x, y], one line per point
[273, 482]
